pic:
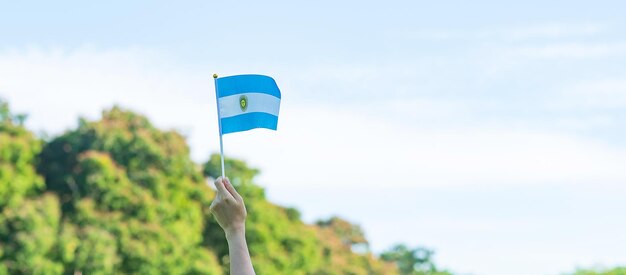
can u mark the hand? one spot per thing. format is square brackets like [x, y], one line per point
[228, 207]
[230, 212]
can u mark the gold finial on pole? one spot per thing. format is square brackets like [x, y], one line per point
[214, 75]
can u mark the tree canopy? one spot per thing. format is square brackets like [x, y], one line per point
[118, 195]
[604, 271]
[417, 261]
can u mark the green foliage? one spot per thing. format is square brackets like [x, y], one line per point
[350, 234]
[18, 151]
[27, 217]
[118, 196]
[613, 271]
[339, 258]
[27, 233]
[239, 173]
[416, 261]
[137, 202]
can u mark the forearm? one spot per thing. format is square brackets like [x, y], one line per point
[240, 263]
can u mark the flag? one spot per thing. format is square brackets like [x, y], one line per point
[247, 102]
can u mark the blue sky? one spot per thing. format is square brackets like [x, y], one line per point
[491, 132]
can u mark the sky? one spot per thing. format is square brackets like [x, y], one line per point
[491, 132]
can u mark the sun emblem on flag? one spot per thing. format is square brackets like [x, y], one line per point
[243, 102]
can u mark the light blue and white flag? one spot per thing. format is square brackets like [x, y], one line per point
[247, 102]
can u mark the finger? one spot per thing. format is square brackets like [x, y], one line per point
[231, 190]
[221, 190]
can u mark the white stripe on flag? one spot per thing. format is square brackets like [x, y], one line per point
[257, 102]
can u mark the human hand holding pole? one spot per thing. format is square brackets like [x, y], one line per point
[230, 212]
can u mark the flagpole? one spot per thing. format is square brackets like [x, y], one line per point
[219, 122]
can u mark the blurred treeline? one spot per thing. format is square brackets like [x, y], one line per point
[602, 271]
[118, 196]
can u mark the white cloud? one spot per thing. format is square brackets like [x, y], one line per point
[570, 50]
[357, 148]
[55, 87]
[346, 142]
[511, 33]
[605, 94]
[552, 31]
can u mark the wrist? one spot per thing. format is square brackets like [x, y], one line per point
[235, 231]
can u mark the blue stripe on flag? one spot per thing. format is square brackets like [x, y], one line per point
[248, 121]
[247, 83]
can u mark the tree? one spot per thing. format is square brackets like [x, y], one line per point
[350, 234]
[417, 261]
[18, 152]
[339, 257]
[117, 195]
[28, 237]
[613, 271]
[132, 195]
[239, 173]
[29, 218]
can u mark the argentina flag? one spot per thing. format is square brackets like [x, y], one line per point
[247, 102]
